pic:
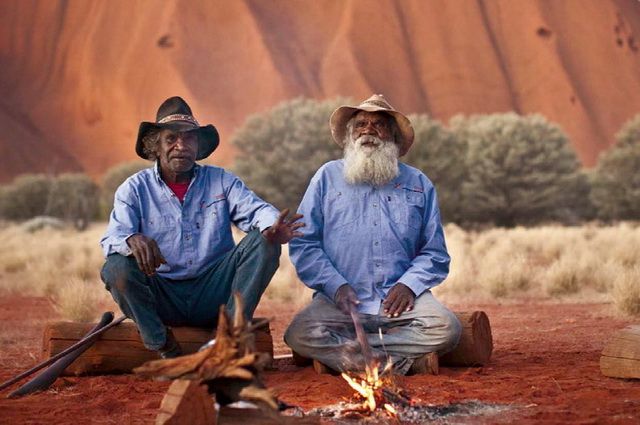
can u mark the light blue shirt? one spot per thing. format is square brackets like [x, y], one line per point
[370, 238]
[192, 235]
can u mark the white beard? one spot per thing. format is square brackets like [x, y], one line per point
[376, 165]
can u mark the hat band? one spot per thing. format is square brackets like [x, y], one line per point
[377, 103]
[179, 117]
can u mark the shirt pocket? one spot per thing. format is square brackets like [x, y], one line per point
[409, 208]
[212, 215]
[341, 210]
[160, 228]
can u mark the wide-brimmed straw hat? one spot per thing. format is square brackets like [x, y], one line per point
[175, 114]
[376, 103]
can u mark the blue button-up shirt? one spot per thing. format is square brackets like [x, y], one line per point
[368, 237]
[192, 235]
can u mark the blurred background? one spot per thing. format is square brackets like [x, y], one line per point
[525, 111]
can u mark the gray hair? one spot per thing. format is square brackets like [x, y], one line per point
[150, 144]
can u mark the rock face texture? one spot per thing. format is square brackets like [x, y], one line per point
[77, 77]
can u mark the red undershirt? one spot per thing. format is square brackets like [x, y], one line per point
[180, 189]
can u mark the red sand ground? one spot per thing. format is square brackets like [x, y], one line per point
[545, 365]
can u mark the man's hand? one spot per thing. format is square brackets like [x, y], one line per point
[399, 300]
[346, 298]
[284, 229]
[146, 252]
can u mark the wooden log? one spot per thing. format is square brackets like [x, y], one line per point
[476, 342]
[187, 402]
[120, 349]
[473, 349]
[621, 356]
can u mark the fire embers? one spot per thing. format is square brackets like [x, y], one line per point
[377, 392]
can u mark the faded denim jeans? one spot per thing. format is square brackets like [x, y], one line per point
[322, 332]
[154, 302]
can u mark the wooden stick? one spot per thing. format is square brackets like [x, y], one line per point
[89, 338]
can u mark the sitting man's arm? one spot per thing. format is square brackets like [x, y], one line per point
[248, 211]
[431, 265]
[312, 263]
[146, 252]
[284, 229]
[122, 235]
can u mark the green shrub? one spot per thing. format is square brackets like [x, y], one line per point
[520, 170]
[74, 197]
[616, 180]
[26, 197]
[113, 178]
[280, 150]
[438, 153]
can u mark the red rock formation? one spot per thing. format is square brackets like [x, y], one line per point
[77, 77]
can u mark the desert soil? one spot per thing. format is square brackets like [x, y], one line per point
[544, 368]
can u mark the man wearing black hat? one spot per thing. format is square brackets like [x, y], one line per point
[171, 259]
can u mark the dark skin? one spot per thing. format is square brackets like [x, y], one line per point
[371, 124]
[176, 153]
[400, 298]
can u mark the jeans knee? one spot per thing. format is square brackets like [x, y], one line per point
[291, 336]
[294, 336]
[117, 270]
[270, 252]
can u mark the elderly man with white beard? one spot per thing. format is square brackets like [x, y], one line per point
[374, 244]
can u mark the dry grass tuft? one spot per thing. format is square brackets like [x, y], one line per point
[80, 300]
[579, 263]
[626, 291]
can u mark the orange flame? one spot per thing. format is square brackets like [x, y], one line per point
[368, 387]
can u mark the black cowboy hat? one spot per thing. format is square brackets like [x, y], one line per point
[174, 114]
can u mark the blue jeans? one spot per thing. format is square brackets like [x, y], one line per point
[154, 302]
[322, 332]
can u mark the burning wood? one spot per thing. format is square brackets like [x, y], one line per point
[229, 366]
[376, 389]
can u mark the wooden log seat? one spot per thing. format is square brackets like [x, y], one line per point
[621, 356]
[120, 349]
[474, 349]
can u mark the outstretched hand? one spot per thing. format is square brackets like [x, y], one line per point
[284, 229]
[400, 299]
[146, 252]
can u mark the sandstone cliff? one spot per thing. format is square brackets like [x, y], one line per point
[76, 77]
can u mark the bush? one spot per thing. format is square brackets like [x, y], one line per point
[74, 197]
[26, 197]
[71, 196]
[113, 178]
[521, 170]
[438, 152]
[281, 149]
[616, 181]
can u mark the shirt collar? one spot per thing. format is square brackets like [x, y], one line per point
[156, 171]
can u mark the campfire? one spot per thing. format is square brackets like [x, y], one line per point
[377, 391]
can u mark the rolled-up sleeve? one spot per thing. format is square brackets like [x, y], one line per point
[246, 209]
[124, 221]
[431, 266]
[314, 267]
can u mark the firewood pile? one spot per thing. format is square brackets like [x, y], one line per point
[230, 367]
